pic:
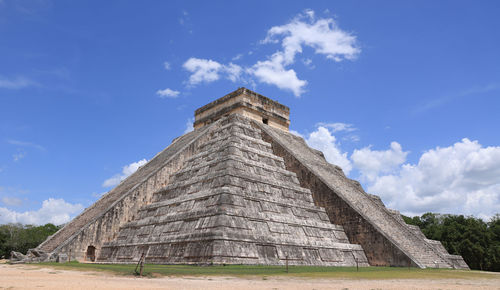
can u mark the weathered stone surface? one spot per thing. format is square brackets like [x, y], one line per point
[16, 256]
[233, 202]
[382, 233]
[37, 254]
[32, 256]
[246, 103]
[240, 189]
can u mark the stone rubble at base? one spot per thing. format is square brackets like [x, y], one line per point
[37, 256]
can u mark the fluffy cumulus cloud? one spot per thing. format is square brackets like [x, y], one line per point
[168, 93]
[322, 35]
[202, 70]
[273, 72]
[207, 71]
[372, 163]
[322, 139]
[126, 172]
[462, 178]
[56, 211]
[233, 72]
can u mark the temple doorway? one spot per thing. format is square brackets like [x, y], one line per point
[90, 255]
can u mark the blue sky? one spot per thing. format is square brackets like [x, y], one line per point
[404, 95]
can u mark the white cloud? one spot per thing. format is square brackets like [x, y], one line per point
[233, 72]
[273, 72]
[126, 171]
[207, 71]
[372, 163]
[309, 13]
[168, 93]
[322, 139]
[12, 201]
[203, 70]
[56, 211]
[166, 65]
[322, 35]
[16, 83]
[461, 179]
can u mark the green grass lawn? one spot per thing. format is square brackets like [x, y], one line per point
[294, 271]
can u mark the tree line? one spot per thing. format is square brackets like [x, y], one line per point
[477, 241]
[21, 238]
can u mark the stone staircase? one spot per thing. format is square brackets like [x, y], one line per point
[414, 245]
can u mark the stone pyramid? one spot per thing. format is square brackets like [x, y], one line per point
[240, 189]
[233, 202]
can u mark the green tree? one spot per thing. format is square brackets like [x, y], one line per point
[476, 241]
[21, 238]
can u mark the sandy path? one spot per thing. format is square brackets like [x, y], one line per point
[33, 277]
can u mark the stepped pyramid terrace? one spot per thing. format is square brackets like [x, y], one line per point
[240, 189]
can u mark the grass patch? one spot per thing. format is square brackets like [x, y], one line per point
[152, 270]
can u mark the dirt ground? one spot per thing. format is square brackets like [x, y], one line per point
[31, 277]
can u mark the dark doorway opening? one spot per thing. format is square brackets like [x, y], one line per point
[265, 121]
[90, 255]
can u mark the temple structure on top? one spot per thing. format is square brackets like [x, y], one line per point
[246, 103]
[240, 189]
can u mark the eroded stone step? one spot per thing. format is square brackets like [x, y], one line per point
[229, 176]
[266, 200]
[238, 162]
